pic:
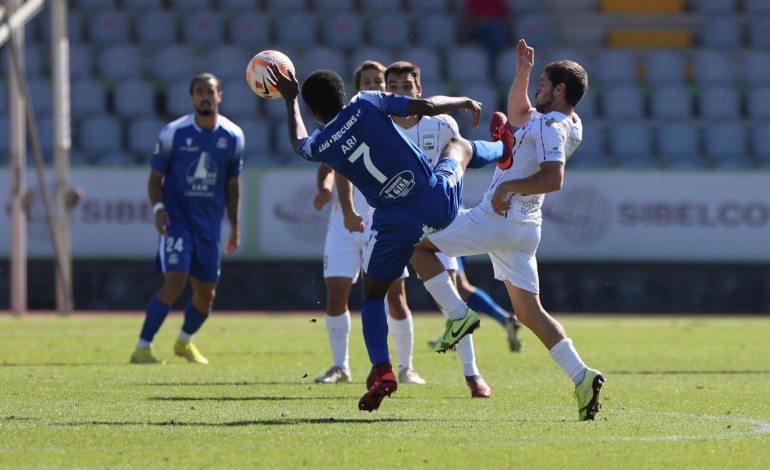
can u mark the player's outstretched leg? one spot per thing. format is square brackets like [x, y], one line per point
[384, 385]
[501, 130]
[587, 395]
[478, 386]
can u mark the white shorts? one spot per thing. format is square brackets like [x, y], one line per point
[511, 244]
[343, 250]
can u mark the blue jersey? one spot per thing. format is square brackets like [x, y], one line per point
[363, 144]
[196, 165]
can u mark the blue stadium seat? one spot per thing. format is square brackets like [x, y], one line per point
[761, 144]
[671, 102]
[631, 144]
[712, 67]
[588, 107]
[719, 102]
[489, 96]
[623, 102]
[35, 62]
[665, 67]
[320, 57]
[174, 62]
[188, 5]
[754, 70]
[239, 102]
[285, 6]
[468, 63]
[120, 62]
[721, 31]
[248, 28]
[380, 54]
[5, 138]
[616, 67]
[592, 152]
[535, 27]
[380, 6]
[157, 28]
[109, 26]
[727, 145]
[758, 103]
[115, 158]
[81, 61]
[437, 30]
[425, 58]
[142, 6]
[432, 87]
[334, 6]
[506, 65]
[134, 98]
[177, 98]
[257, 134]
[297, 29]
[713, 6]
[389, 29]
[227, 62]
[99, 135]
[142, 134]
[678, 144]
[759, 32]
[45, 133]
[756, 6]
[202, 28]
[75, 25]
[88, 97]
[90, 6]
[428, 6]
[343, 30]
[41, 95]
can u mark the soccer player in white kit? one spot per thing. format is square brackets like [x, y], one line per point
[343, 251]
[507, 223]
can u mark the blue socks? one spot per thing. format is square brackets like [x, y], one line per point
[480, 301]
[153, 319]
[485, 153]
[375, 326]
[193, 319]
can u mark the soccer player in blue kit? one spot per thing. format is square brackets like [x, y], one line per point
[361, 142]
[195, 177]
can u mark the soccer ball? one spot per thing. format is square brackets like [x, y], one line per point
[256, 75]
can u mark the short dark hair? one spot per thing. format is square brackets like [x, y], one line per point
[366, 65]
[403, 66]
[205, 77]
[324, 92]
[572, 75]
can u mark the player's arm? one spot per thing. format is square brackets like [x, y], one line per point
[436, 105]
[324, 180]
[233, 205]
[548, 179]
[352, 219]
[288, 86]
[519, 106]
[155, 193]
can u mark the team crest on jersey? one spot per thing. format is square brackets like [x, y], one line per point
[188, 147]
[222, 143]
[428, 142]
[202, 176]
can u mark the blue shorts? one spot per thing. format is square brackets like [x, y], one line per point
[397, 229]
[183, 251]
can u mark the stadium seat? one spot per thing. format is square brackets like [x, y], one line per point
[239, 102]
[726, 145]
[588, 107]
[437, 30]
[719, 102]
[296, 29]
[81, 61]
[188, 5]
[75, 25]
[536, 28]
[760, 144]
[428, 6]
[525, 6]
[79, 159]
[334, 6]
[142, 134]
[623, 101]
[134, 98]
[631, 144]
[35, 62]
[475, 63]
[615, 67]
[758, 102]
[361, 54]
[506, 65]
[176, 62]
[320, 57]
[713, 6]
[115, 158]
[380, 6]
[721, 31]
[712, 67]
[343, 30]
[88, 97]
[41, 94]
[489, 96]
[547, 55]
[671, 102]
[227, 62]
[90, 6]
[285, 6]
[282, 149]
[678, 144]
[99, 135]
[157, 28]
[425, 58]
[5, 138]
[248, 28]
[665, 67]
[756, 6]
[759, 32]
[755, 71]
[142, 6]
[45, 133]
[592, 152]
[109, 26]
[389, 29]
[257, 135]
[202, 28]
[177, 100]
[433, 88]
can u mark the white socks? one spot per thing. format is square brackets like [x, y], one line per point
[184, 337]
[445, 294]
[569, 360]
[338, 330]
[403, 335]
[141, 344]
[467, 356]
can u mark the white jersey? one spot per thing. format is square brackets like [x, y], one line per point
[432, 133]
[548, 137]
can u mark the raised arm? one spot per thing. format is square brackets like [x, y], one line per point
[288, 86]
[519, 106]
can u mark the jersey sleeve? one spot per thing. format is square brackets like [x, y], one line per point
[305, 146]
[388, 103]
[552, 141]
[161, 156]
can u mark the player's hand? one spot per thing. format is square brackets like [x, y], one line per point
[323, 197]
[525, 59]
[233, 241]
[287, 86]
[501, 201]
[161, 221]
[474, 107]
[354, 222]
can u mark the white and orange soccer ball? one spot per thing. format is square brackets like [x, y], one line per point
[256, 72]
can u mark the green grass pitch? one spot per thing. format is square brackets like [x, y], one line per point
[682, 392]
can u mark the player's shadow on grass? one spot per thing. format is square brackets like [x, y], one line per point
[689, 372]
[268, 398]
[205, 384]
[256, 422]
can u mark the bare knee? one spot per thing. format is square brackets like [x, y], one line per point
[337, 294]
[399, 309]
